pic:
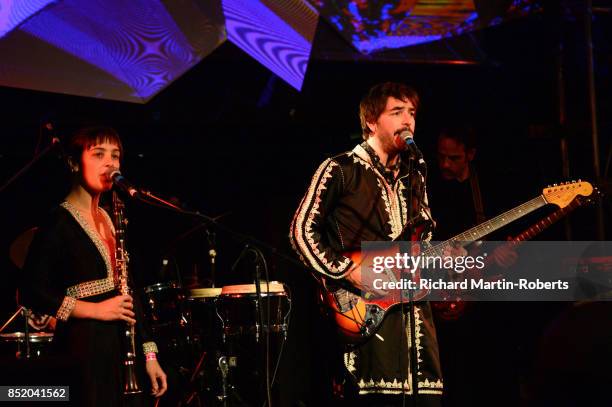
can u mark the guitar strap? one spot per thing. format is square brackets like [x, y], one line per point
[476, 196]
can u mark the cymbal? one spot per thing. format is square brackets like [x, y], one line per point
[19, 248]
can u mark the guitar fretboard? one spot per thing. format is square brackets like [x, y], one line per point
[489, 226]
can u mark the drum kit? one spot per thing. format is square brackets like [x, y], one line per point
[227, 340]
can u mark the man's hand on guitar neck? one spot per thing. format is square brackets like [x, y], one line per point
[504, 256]
[454, 250]
[499, 260]
[363, 279]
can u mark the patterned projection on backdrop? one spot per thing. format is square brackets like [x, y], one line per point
[376, 25]
[111, 49]
[15, 12]
[147, 56]
[131, 50]
[276, 33]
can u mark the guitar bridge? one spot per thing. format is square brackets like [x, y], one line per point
[372, 319]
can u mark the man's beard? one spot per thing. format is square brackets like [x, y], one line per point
[448, 175]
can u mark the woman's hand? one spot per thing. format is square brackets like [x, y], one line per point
[159, 384]
[116, 308]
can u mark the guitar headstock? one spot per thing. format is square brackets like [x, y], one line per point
[563, 194]
[590, 199]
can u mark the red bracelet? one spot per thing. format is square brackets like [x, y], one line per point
[151, 356]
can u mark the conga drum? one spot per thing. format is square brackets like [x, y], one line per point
[240, 309]
[254, 328]
[206, 327]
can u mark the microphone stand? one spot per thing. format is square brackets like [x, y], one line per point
[12, 318]
[212, 254]
[25, 313]
[416, 157]
[411, 320]
[54, 142]
[150, 198]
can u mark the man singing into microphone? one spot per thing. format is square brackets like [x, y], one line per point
[375, 192]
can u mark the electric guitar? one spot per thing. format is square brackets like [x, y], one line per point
[359, 317]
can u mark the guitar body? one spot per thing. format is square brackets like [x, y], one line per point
[359, 316]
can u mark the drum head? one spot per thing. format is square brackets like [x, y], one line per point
[196, 293]
[161, 287]
[34, 337]
[274, 287]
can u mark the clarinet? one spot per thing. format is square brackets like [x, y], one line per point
[121, 264]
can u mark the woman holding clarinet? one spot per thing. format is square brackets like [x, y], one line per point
[73, 273]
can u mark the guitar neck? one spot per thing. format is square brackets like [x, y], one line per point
[483, 229]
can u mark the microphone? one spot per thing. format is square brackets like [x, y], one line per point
[115, 175]
[415, 153]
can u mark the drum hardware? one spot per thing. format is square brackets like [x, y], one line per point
[35, 343]
[228, 390]
[26, 339]
[212, 253]
[224, 368]
[259, 261]
[258, 309]
[197, 373]
[26, 314]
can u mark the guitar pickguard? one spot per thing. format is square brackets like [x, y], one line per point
[373, 317]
